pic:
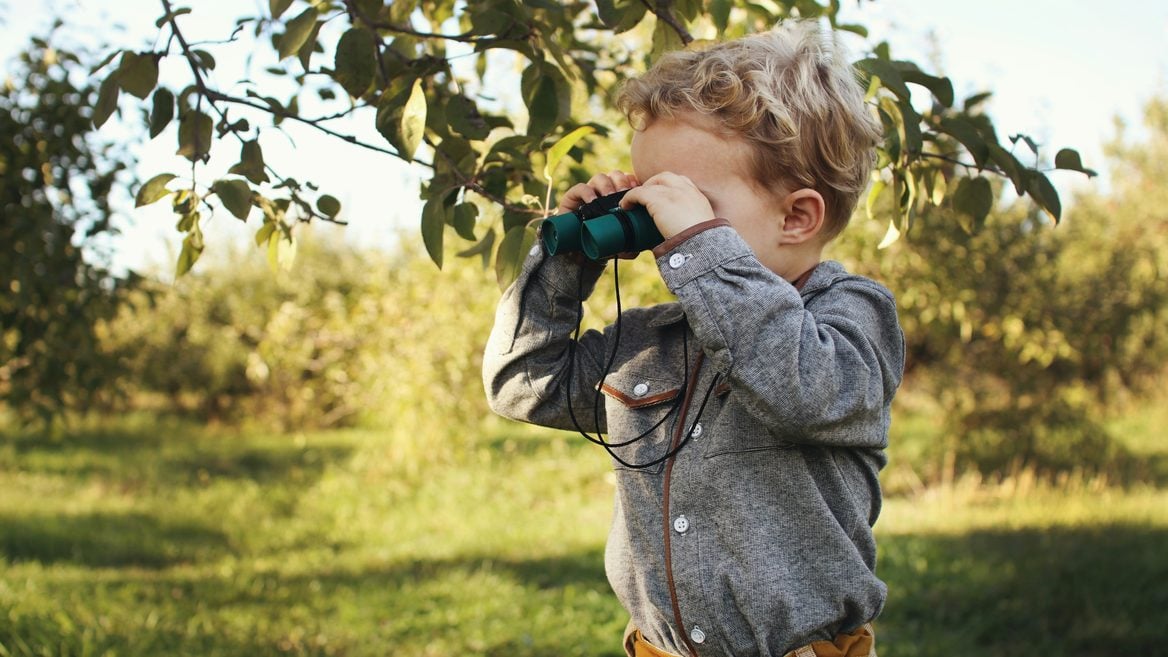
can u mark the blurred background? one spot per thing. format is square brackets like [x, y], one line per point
[292, 456]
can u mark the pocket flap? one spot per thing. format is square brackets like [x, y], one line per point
[640, 392]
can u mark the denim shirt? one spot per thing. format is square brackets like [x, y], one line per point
[756, 537]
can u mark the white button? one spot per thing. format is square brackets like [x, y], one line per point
[676, 260]
[697, 635]
[534, 250]
[697, 430]
[641, 389]
[681, 524]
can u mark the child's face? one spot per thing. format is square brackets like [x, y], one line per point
[720, 168]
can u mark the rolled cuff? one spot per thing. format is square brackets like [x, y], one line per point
[673, 242]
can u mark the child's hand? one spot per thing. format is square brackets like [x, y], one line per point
[673, 200]
[602, 184]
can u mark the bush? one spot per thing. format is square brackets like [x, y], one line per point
[347, 336]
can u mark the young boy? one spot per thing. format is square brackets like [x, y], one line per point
[759, 400]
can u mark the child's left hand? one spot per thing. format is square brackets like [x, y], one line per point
[673, 200]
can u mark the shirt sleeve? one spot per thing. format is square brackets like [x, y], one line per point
[822, 372]
[531, 360]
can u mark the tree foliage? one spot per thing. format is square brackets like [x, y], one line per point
[55, 181]
[477, 92]
[1027, 335]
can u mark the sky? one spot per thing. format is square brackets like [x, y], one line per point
[1061, 71]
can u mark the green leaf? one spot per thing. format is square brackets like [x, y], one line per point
[975, 198]
[512, 251]
[434, 228]
[204, 60]
[105, 61]
[720, 12]
[463, 219]
[138, 73]
[968, 136]
[281, 251]
[186, 222]
[936, 186]
[297, 32]
[1010, 166]
[235, 196]
[548, 97]
[154, 190]
[878, 187]
[1069, 160]
[890, 77]
[166, 18]
[854, 28]
[194, 135]
[162, 111]
[621, 15]
[977, 99]
[665, 39]
[107, 100]
[689, 9]
[328, 205]
[483, 248]
[356, 61]
[1026, 139]
[561, 148]
[907, 123]
[192, 248]
[278, 7]
[265, 233]
[251, 163]
[1044, 193]
[941, 87]
[890, 236]
[310, 46]
[413, 121]
[463, 117]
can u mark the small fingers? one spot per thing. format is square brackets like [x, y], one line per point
[577, 195]
[611, 183]
[601, 184]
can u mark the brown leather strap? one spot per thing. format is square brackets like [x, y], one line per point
[677, 436]
[803, 278]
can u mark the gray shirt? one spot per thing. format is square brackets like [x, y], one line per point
[756, 538]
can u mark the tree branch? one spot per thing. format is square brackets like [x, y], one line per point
[663, 13]
[356, 12]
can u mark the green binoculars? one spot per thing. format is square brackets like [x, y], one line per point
[601, 229]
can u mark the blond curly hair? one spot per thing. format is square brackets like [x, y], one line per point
[790, 93]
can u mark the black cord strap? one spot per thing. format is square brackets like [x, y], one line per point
[678, 402]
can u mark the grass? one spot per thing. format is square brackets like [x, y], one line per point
[143, 538]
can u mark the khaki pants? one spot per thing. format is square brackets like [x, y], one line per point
[861, 643]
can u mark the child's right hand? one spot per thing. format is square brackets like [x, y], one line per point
[602, 184]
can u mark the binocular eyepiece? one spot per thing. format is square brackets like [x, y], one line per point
[601, 229]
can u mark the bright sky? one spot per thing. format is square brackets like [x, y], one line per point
[1061, 71]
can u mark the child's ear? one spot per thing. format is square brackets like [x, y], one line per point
[803, 215]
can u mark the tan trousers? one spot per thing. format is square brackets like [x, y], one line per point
[861, 643]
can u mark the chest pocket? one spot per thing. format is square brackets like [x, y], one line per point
[640, 409]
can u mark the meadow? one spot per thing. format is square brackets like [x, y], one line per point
[145, 536]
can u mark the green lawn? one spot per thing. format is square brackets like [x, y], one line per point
[153, 538]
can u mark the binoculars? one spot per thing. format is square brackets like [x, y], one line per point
[601, 229]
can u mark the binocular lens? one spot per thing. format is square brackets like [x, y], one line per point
[601, 229]
[561, 234]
